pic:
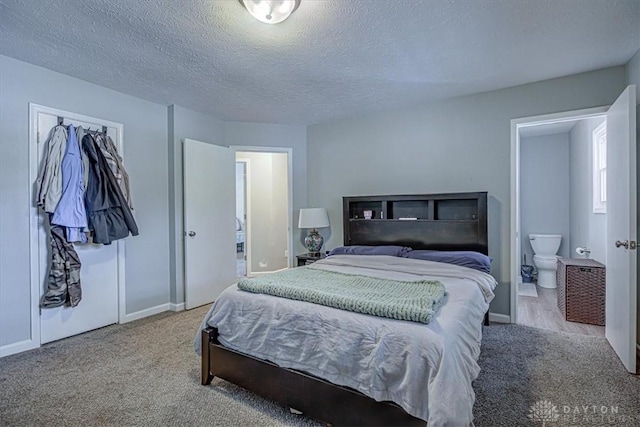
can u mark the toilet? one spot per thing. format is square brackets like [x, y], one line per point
[545, 247]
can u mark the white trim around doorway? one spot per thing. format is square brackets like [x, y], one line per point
[247, 212]
[516, 125]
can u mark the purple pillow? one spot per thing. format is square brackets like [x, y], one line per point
[400, 251]
[470, 259]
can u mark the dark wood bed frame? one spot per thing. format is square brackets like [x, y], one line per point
[452, 221]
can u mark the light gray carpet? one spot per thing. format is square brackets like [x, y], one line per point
[145, 373]
[522, 366]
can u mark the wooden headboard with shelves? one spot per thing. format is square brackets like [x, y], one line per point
[448, 221]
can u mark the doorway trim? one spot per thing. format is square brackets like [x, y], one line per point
[34, 215]
[247, 211]
[289, 152]
[516, 125]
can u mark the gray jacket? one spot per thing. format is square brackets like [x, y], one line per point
[50, 176]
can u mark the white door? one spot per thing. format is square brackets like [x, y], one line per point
[209, 221]
[621, 303]
[99, 273]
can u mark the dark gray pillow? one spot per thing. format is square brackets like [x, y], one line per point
[470, 259]
[399, 251]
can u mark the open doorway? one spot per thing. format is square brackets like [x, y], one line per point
[620, 160]
[562, 225]
[241, 217]
[210, 212]
[263, 210]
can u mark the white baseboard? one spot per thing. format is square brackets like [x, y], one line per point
[18, 347]
[146, 312]
[176, 307]
[499, 318]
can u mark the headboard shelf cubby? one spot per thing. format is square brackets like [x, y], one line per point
[447, 221]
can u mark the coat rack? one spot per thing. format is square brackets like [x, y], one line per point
[61, 121]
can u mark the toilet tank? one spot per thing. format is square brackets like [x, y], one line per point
[545, 244]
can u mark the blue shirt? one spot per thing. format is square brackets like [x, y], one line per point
[71, 212]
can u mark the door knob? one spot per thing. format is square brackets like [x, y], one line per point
[192, 233]
[624, 243]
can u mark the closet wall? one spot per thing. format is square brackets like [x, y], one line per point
[145, 156]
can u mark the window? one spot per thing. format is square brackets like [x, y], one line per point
[600, 168]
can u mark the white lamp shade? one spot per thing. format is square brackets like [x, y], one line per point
[313, 218]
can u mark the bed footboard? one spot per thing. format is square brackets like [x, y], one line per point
[314, 397]
[209, 335]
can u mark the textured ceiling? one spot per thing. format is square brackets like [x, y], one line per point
[331, 59]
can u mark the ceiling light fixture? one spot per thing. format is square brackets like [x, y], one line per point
[270, 11]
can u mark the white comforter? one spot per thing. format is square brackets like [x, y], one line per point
[426, 369]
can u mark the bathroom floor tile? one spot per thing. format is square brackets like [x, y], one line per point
[543, 313]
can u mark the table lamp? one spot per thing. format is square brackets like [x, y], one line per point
[313, 218]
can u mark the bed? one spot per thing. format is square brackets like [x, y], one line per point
[355, 369]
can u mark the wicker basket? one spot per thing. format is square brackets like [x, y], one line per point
[581, 290]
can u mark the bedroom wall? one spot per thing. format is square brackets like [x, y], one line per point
[544, 190]
[633, 78]
[587, 228]
[462, 144]
[145, 156]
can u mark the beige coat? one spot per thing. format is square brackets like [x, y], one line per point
[49, 181]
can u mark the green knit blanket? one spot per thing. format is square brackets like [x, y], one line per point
[415, 301]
